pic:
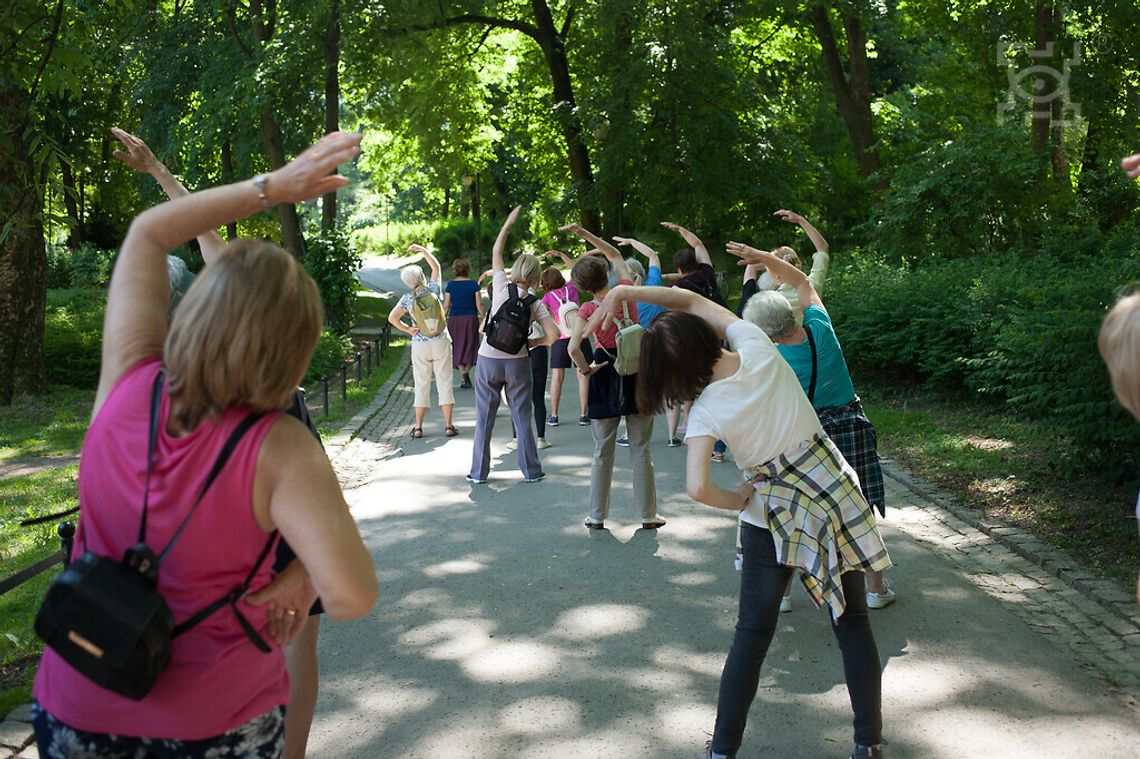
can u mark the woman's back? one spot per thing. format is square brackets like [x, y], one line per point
[463, 294]
[217, 679]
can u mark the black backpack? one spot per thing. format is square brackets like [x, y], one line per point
[508, 328]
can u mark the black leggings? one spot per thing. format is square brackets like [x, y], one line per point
[762, 584]
[539, 368]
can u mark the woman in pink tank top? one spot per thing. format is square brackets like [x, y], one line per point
[238, 344]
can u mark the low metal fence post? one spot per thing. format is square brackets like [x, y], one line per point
[358, 368]
[66, 532]
[368, 353]
[344, 382]
[325, 391]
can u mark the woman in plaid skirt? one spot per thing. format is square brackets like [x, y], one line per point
[799, 501]
[814, 353]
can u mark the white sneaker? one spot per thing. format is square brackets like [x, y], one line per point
[785, 604]
[880, 600]
[541, 443]
[513, 444]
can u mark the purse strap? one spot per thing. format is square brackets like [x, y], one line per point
[811, 385]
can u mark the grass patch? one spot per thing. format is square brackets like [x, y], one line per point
[46, 425]
[1017, 471]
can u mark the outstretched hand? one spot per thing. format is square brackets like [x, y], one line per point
[289, 597]
[574, 229]
[789, 216]
[593, 367]
[512, 217]
[138, 156]
[309, 175]
[623, 241]
[1131, 164]
[746, 253]
[417, 248]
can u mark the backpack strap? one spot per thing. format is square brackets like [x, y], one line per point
[814, 367]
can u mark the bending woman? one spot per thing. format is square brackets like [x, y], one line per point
[799, 503]
[610, 396]
[814, 353]
[498, 372]
[238, 344]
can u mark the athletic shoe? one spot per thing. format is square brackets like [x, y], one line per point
[513, 444]
[674, 442]
[623, 441]
[583, 421]
[537, 478]
[867, 752]
[880, 600]
[475, 480]
[552, 421]
[657, 522]
[718, 457]
[708, 753]
[785, 604]
[541, 443]
[591, 524]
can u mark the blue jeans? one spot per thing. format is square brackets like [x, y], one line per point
[762, 584]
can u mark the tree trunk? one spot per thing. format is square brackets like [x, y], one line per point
[70, 194]
[852, 94]
[263, 19]
[446, 202]
[23, 265]
[332, 101]
[1048, 130]
[581, 172]
[228, 178]
[616, 132]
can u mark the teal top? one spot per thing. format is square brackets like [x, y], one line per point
[832, 381]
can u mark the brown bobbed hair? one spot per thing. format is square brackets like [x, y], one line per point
[461, 267]
[552, 279]
[685, 260]
[243, 334]
[590, 273]
[678, 352]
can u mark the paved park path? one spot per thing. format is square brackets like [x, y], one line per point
[505, 628]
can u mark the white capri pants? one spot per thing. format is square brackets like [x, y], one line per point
[428, 356]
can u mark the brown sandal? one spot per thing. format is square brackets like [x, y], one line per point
[450, 430]
[417, 432]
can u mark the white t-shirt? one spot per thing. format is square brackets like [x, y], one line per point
[502, 293]
[759, 412]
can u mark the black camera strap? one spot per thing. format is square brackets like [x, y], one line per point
[231, 444]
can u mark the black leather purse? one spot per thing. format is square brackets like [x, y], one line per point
[107, 619]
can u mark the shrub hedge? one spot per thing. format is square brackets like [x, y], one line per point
[1019, 329]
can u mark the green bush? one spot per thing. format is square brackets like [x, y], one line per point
[73, 336]
[332, 260]
[332, 350]
[90, 266]
[1019, 329]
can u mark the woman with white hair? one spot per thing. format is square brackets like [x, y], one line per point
[813, 351]
[497, 371]
[431, 342]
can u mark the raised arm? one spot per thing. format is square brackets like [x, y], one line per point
[672, 298]
[140, 158]
[566, 260]
[134, 326]
[649, 253]
[609, 251]
[433, 262]
[781, 271]
[501, 241]
[813, 234]
[693, 241]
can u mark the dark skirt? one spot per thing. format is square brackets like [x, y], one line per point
[610, 394]
[464, 339]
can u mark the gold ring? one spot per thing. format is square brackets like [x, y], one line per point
[290, 611]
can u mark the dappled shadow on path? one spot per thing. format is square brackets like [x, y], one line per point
[505, 628]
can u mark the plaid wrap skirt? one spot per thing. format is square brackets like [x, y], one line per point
[856, 438]
[819, 520]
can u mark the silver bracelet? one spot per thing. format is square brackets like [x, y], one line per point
[261, 182]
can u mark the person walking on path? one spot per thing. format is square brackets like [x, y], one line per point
[497, 372]
[464, 308]
[815, 355]
[431, 342]
[611, 395]
[799, 501]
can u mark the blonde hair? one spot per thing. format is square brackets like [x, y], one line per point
[526, 270]
[243, 335]
[787, 254]
[413, 276]
[1119, 345]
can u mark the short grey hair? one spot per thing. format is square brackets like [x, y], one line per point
[771, 312]
[636, 269]
[413, 276]
[176, 269]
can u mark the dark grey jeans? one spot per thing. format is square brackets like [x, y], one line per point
[762, 583]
